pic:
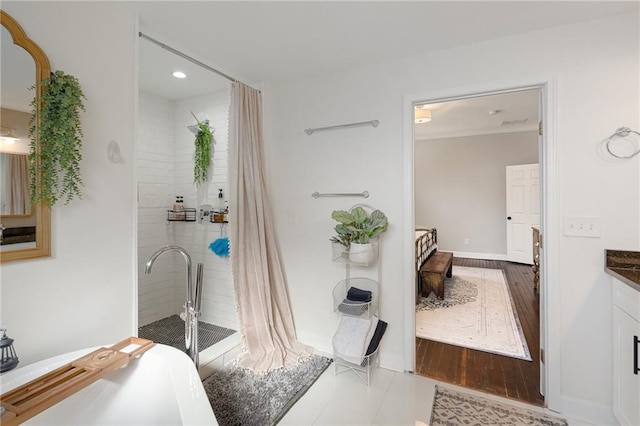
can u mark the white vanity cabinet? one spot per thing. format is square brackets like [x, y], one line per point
[626, 353]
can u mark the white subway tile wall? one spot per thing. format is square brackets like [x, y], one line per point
[165, 170]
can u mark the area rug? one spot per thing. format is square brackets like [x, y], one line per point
[239, 397]
[456, 408]
[477, 312]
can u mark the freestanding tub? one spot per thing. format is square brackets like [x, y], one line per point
[161, 387]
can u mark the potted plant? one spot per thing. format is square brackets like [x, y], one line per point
[55, 154]
[204, 150]
[356, 229]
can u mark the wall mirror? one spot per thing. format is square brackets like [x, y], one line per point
[26, 229]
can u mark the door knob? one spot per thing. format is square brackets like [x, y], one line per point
[508, 217]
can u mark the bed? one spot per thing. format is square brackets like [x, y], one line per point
[426, 245]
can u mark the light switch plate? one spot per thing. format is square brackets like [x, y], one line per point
[582, 226]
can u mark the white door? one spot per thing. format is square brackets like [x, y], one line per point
[523, 211]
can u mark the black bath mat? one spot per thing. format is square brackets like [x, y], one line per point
[170, 331]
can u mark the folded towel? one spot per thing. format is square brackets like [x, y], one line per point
[351, 307]
[353, 336]
[381, 327]
[359, 295]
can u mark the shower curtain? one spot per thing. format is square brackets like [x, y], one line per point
[17, 167]
[265, 318]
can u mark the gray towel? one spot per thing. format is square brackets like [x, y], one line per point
[353, 337]
[351, 307]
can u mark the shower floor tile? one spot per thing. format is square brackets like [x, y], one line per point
[170, 331]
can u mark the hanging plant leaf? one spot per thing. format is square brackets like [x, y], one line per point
[55, 154]
[204, 151]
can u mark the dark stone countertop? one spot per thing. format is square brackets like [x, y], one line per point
[624, 265]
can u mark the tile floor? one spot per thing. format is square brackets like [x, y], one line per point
[392, 399]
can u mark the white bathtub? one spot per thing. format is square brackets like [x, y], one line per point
[161, 387]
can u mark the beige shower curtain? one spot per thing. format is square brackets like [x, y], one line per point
[266, 322]
[19, 184]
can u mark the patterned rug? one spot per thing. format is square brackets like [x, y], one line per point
[452, 408]
[477, 312]
[239, 397]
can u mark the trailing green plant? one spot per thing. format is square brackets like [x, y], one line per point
[56, 140]
[204, 151]
[357, 226]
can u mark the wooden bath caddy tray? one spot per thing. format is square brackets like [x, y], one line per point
[32, 398]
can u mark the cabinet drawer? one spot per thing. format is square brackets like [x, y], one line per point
[626, 298]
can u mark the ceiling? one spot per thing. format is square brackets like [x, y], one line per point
[264, 41]
[274, 41]
[501, 113]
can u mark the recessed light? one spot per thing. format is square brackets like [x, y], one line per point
[179, 74]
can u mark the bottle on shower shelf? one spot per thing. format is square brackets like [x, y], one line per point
[218, 216]
[220, 201]
[181, 212]
[178, 209]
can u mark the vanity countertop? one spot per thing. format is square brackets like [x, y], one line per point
[624, 265]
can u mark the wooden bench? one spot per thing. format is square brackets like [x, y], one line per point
[433, 272]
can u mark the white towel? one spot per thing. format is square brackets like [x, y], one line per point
[353, 337]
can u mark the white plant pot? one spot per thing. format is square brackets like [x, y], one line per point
[361, 253]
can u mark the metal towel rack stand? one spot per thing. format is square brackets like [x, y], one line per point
[363, 194]
[621, 132]
[372, 123]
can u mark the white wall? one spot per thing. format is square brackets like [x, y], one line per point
[165, 170]
[595, 66]
[84, 294]
[460, 188]
[155, 175]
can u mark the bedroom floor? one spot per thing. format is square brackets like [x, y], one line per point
[499, 375]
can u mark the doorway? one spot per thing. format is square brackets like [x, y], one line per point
[486, 256]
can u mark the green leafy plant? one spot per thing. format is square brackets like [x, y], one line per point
[357, 226]
[56, 140]
[204, 151]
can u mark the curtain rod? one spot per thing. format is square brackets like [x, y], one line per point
[188, 58]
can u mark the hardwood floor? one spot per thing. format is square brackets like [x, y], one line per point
[496, 374]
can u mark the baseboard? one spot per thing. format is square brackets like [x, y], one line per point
[588, 411]
[321, 345]
[485, 256]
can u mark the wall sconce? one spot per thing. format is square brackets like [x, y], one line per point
[422, 115]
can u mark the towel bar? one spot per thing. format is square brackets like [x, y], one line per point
[363, 194]
[372, 123]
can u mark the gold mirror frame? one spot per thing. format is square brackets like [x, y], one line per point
[43, 218]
